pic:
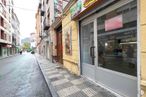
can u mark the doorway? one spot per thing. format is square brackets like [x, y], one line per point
[59, 45]
[87, 50]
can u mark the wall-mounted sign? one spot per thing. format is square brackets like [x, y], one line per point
[68, 41]
[114, 23]
[87, 3]
[80, 6]
[76, 8]
[8, 46]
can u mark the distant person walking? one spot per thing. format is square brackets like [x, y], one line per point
[20, 52]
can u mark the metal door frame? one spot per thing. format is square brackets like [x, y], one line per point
[88, 21]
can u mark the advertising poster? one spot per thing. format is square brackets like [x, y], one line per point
[68, 41]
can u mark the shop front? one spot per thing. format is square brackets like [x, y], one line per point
[108, 44]
[70, 41]
[5, 50]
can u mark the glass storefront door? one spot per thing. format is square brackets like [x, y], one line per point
[87, 50]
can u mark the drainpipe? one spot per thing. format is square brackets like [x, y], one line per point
[138, 51]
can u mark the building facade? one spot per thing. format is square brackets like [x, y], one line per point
[43, 20]
[70, 41]
[102, 40]
[33, 40]
[108, 43]
[38, 30]
[15, 33]
[5, 29]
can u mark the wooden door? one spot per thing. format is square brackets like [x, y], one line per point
[59, 48]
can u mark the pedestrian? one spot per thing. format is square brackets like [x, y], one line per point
[20, 52]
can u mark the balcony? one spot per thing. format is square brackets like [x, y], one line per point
[46, 24]
[46, 27]
[42, 13]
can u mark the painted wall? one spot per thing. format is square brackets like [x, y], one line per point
[143, 45]
[70, 60]
[53, 41]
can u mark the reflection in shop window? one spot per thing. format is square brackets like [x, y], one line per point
[117, 44]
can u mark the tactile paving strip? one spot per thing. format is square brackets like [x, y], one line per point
[89, 92]
[68, 91]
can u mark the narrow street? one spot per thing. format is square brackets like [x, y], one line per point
[20, 76]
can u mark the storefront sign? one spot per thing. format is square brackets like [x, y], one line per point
[114, 23]
[6, 46]
[9, 46]
[80, 6]
[87, 3]
[76, 9]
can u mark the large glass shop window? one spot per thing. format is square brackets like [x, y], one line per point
[117, 39]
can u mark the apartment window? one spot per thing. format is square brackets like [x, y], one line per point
[2, 34]
[2, 21]
[47, 1]
[117, 39]
[4, 1]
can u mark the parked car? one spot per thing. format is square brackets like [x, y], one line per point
[32, 52]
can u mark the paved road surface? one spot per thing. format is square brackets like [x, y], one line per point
[20, 76]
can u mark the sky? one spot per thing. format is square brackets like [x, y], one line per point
[25, 11]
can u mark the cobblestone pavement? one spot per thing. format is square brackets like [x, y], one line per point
[65, 84]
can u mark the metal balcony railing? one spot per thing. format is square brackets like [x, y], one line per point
[42, 13]
[46, 24]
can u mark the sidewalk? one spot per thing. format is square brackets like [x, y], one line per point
[64, 84]
[8, 56]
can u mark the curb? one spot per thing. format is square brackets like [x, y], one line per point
[50, 86]
[8, 56]
[55, 93]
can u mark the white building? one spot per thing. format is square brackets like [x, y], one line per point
[5, 29]
[9, 29]
[15, 32]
